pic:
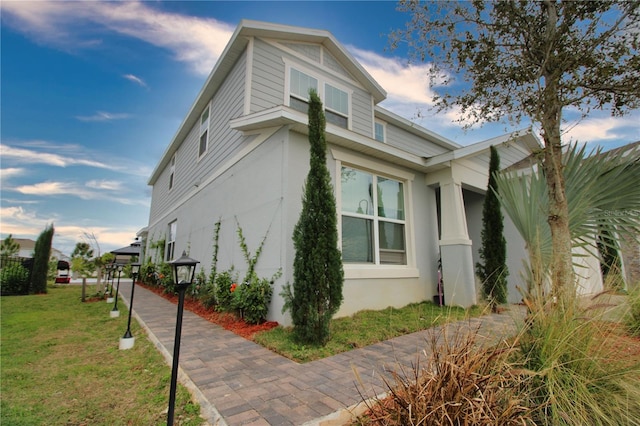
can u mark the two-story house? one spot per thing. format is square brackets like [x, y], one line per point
[406, 197]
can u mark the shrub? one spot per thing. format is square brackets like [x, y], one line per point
[252, 299]
[223, 293]
[14, 279]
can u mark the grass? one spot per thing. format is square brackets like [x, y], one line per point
[61, 365]
[364, 328]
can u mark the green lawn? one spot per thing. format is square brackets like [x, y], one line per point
[60, 365]
[364, 328]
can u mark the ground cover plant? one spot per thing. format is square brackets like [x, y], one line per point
[61, 366]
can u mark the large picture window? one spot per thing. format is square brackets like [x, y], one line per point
[373, 218]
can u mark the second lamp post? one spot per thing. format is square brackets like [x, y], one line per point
[127, 341]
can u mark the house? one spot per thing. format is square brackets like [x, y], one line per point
[241, 156]
[27, 247]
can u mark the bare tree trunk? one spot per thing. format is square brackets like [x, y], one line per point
[558, 219]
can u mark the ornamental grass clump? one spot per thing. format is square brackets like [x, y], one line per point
[578, 378]
[461, 384]
[633, 317]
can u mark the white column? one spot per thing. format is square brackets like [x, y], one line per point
[455, 248]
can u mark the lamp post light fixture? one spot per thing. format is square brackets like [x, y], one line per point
[115, 313]
[110, 271]
[127, 341]
[184, 270]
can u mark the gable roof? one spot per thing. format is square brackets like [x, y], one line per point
[246, 30]
[524, 140]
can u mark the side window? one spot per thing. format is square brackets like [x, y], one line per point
[171, 241]
[379, 131]
[172, 171]
[204, 132]
[373, 219]
[299, 86]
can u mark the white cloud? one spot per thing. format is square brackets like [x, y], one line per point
[603, 129]
[29, 156]
[64, 155]
[194, 40]
[23, 223]
[403, 83]
[135, 79]
[103, 116]
[107, 185]
[11, 172]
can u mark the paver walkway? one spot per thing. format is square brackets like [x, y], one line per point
[239, 382]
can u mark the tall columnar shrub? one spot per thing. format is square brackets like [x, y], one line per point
[42, 252]
[317, 266]
[492, 269]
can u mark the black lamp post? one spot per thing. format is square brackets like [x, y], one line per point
[128, 340]
[184, 270]
[115, 312]
[110, 282]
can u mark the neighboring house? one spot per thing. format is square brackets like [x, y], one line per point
[27, 247]
[241, 156]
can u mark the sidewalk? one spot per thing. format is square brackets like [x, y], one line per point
[238, 382]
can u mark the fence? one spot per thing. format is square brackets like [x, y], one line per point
[15, 275]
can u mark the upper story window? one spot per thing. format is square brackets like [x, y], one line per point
[379, 131]
[336, 104]
[172, 171]
[336, 101]
[373, 218]
[171, 241]
[204, 132]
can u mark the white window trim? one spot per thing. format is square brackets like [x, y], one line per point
[171, 244]
[172, 172]
[321, 89]
[361, 270]
[384, 130]
[202, 128]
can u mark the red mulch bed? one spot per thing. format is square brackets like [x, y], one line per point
[226, 320]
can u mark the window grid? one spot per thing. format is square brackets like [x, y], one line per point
[372, 221]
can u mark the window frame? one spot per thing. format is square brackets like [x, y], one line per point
[172, 230]
[172, 171]
[368, 270]
[383, 126]
[204, 131]
[321, 89]
[376, 219]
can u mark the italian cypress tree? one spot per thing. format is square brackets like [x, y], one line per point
[493, 272]
[317, 266]
[41, 254]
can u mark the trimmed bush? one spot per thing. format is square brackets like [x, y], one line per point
[14, 279]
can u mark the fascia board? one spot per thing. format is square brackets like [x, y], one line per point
[519, 137]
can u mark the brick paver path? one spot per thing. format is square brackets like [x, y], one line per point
[239, 382]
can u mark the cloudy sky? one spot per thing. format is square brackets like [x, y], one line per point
[92, 94]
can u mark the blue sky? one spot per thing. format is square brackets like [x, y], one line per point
[92, 94]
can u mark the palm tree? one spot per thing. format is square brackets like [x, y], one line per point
[603, 193]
